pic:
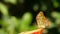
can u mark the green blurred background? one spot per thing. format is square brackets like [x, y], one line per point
[20, 15]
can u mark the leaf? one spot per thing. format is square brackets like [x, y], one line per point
[11, 1]
[55, 3]
[3, 9]
[26, 21]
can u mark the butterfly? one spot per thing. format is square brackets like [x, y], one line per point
[42, 21]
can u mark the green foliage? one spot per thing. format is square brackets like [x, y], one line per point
[11, 1]
[13, 25]
[26, 21]
[3, 9]
[55, 3]
[56, 15]
[2, 31]
[36, 7]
